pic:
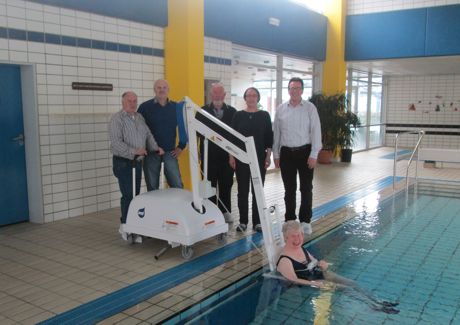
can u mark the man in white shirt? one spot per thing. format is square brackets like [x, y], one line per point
[297, 142]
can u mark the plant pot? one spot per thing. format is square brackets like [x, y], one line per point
[346, 155]
[325, 156]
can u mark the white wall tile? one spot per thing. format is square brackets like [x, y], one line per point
[15, 12]
[15, 45]
[36, 49]
[33, 6]
[75, 157]
[76, 212]
[18, 56]
[69, 30]
[52, 28]
[36, 26]
[61, 215]
[68, 13]
[426, 93]
[3, 20]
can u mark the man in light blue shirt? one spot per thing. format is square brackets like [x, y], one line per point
[297, 142]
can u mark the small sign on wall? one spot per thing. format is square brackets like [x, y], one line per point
[91, 86]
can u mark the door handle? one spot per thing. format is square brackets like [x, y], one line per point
[19, 139]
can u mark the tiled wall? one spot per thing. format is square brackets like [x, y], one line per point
[436, 100]
[217, 66]
[71, 46]
[368, 6]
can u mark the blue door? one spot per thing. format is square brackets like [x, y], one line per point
[14, 205]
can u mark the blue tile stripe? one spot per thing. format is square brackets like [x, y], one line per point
[31, 36]
[131, 295]
[3, 32]
[40, 37]
[122, 299]
[217, 60]
[402, 154]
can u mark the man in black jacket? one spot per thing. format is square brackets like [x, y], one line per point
[220, 174]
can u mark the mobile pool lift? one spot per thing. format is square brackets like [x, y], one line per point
[183, 218]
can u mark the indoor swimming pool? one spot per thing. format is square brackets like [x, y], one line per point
[403, 249]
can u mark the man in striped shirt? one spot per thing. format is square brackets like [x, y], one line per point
[130, 138]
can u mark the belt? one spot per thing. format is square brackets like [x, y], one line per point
[126, 159]
[305, 146]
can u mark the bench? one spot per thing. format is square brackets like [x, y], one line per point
[439, 155]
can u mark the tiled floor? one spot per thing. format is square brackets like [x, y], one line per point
[49, 269]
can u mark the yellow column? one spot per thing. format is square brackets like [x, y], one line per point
[335, 68]
[184, 59]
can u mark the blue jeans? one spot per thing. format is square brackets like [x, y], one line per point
[123, 171]
[152, 169]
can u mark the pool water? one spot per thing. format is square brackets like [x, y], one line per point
[402, 249]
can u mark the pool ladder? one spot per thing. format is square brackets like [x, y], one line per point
[420, 133]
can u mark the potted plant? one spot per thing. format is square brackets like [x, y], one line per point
[330, 109]
[350, 121]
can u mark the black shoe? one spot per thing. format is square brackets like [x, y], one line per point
[241, 227]
[388, 310]
[389, 303]
[258, 228]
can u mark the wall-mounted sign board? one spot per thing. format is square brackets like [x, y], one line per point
[91, 86]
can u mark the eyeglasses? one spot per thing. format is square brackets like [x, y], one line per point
[295, 88]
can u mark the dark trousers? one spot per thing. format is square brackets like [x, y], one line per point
[293, 161]
[122, 169]
[243, 177]
[220, 174]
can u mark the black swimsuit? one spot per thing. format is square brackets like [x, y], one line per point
[301, 270]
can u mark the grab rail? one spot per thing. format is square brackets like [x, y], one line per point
[420, 133]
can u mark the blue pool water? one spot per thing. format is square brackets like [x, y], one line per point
[399, 249]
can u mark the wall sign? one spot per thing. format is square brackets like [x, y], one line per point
[91, 86]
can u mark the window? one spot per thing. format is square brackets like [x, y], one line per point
[255, 68]
[365, 94]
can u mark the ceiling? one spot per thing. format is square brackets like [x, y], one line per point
[249, 64]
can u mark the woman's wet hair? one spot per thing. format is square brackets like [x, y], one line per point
[291, 225]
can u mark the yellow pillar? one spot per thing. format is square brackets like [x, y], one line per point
[335, 68]
[184, 59]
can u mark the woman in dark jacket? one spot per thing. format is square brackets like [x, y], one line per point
[256, 123]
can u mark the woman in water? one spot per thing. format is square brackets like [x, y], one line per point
[297, 265]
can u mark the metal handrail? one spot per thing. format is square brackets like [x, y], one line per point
[420, 137]
[420, 133]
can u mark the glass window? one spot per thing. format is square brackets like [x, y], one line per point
[267, 91]
[376, 103]
[367, 86]
[259, 69]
